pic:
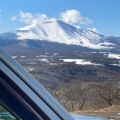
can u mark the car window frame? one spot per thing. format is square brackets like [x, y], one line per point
[21, 77]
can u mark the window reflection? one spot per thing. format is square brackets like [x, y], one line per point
[5, 115]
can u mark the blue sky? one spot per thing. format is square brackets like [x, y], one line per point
[102, 16]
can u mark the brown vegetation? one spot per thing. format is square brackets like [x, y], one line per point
[87, 95]
[111, 112]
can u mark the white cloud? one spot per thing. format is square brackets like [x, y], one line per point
[30, 18]
[13, 18]
[74, 17]
[93, 29]
[70, 16]
[26, 17]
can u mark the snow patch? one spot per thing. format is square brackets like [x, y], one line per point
[44, 60]
[53, 64]
[46, 53]
[41, 56]
[55, 54]
[81, 117]
[116, 56]
[32, 63]
[103, 52]
[118, 113]
[22, 56]
[107, 44]
[115, 64]
[14, 57]
[29, 69]
[79, 61]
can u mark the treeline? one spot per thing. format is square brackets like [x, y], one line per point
[79, 95]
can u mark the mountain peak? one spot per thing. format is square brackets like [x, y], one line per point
[58, 31]
[50, 30]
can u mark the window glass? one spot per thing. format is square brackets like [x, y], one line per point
[5, 115]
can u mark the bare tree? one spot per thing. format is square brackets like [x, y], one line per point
[102, 95]
[109, 93]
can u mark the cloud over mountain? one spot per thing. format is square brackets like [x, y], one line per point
[74, 17]
[30, 18]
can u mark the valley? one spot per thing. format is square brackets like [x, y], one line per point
[78, 80]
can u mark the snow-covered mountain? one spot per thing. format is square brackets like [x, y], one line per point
[56, 31]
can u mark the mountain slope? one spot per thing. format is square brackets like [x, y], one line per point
[56, 31]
